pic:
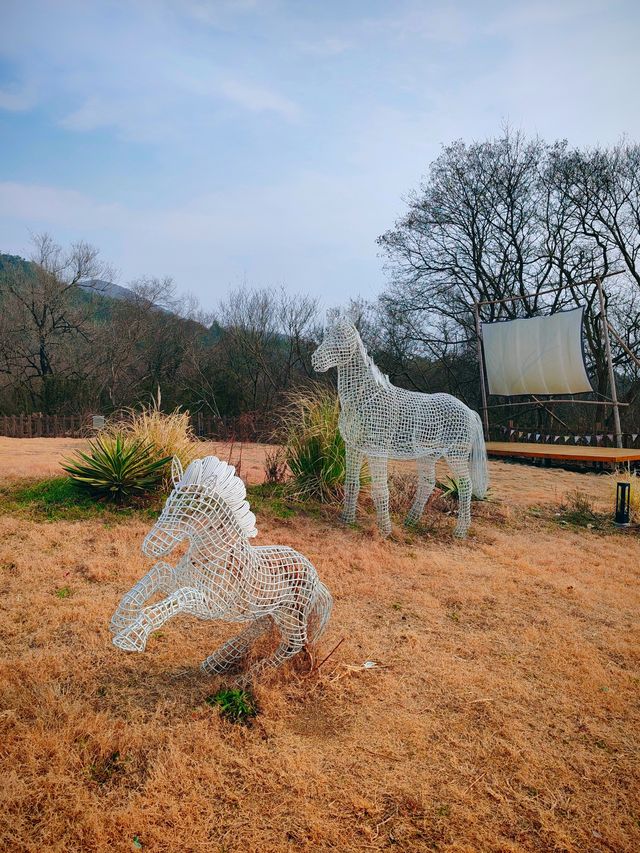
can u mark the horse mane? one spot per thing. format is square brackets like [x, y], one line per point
[377, 375]
[212, 473]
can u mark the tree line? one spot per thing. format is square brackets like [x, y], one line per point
[490, 220]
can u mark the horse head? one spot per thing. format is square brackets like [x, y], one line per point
[207, 502]
[339, 344]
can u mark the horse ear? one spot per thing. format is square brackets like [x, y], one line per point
[176, 470]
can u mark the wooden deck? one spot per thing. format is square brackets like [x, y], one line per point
[612, 455]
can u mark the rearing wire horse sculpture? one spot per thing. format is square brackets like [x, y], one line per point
[222, 576]
[380, 422]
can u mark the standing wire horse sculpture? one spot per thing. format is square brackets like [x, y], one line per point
[222, 576]
[380, 422]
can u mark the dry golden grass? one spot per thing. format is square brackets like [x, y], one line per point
[170, 434]
[503, 715]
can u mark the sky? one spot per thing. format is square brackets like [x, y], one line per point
[269, 143]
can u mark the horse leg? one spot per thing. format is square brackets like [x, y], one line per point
[292, 624]
[426, 482]
[230, 653]
[353, 466]
[380, 492]
[460, 468]
[160, 578]
[134, 637]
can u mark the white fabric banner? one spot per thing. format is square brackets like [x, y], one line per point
[541, 355]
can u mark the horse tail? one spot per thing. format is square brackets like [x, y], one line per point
[478, 465]
[319, 614]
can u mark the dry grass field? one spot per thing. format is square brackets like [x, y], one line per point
[503, 713]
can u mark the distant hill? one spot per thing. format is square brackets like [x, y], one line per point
[8, 262]
[99, 293]
[106, 288]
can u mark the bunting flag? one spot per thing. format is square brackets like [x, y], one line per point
[556, 438]
[576, 438]
[588, 438]
[511, 432]
[634, 435]
[610, 436]
[528, 436]
[599, 438]
[547, 437]
[566, 438]
[537, 436]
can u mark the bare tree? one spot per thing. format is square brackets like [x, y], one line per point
[266, 343]
[511, 217]
[44, 314]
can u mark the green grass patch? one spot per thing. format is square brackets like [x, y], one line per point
[59, 499]
[276, 500]
[237, 706]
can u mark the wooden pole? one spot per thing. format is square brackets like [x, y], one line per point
[568, 402]
[483, 390]
[612, 376]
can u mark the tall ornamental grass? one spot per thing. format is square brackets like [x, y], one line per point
[168, 434]
[313, 446]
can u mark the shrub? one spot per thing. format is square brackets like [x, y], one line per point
[313, 446]
[117, 468]
[168, 434]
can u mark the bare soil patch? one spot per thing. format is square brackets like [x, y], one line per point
[503, 713]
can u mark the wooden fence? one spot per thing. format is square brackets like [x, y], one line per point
[250, 426]
[38, 425]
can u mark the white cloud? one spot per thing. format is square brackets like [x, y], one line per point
[257, 98]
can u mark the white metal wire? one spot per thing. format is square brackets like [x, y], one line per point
[380, 422]
[222, 576]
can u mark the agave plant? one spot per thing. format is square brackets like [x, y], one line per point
[449, 489]
[117, 469]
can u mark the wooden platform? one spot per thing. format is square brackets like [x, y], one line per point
[612, 455]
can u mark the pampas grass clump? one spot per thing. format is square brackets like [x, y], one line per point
[168, 434]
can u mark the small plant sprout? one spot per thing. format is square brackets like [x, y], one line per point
[237, 706]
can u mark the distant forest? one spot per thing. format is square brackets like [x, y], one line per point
[500, 218]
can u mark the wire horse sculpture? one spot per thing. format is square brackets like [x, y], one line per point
[222, 576]
[380, 422]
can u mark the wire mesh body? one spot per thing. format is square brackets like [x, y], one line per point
[379, 421]
[222, 576]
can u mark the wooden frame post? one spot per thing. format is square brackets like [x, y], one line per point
[483, 389]
[612, 376]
